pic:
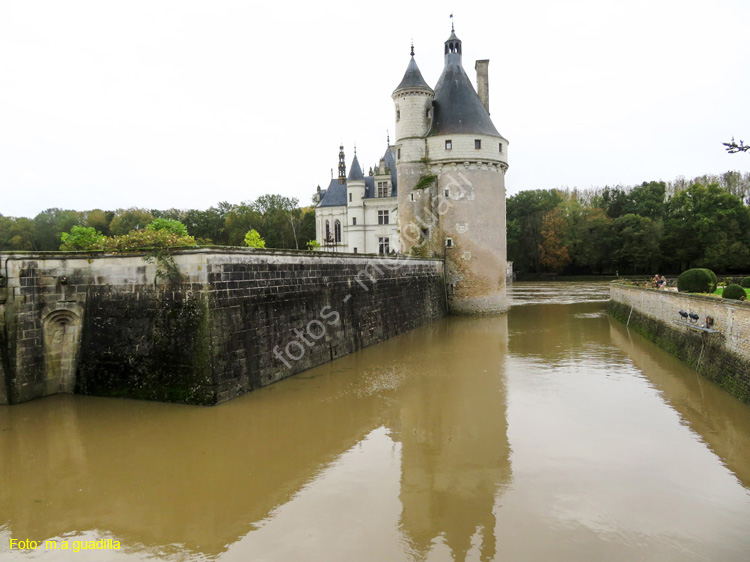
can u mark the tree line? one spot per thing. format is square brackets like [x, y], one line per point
[279, 220]
[656, 226]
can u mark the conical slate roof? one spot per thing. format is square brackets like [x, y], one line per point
[412, 79]
[355, 172]
[457, 107]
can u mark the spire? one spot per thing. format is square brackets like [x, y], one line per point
[412, 79]
[342, 166]
[355, 172]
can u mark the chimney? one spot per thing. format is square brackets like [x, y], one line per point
[483, 85]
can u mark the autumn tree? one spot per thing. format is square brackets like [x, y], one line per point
[553, 254]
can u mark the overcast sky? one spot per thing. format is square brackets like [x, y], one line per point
[178, 103]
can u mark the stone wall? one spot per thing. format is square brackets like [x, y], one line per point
[237, 320]
[723, 357]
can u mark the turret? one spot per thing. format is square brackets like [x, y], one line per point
[413, 105]
[355, 184]
[355, 201]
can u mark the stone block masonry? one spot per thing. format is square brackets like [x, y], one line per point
[723, 357]
[238, 320]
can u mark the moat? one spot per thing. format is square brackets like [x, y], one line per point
[550, 433]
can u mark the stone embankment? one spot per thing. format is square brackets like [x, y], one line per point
[229, 321]
[719, 351]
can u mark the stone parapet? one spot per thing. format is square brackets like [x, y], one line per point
[721, 352]
[234, 321]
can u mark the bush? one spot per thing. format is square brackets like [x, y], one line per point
[82, 238]
[734, 292]
[170, 225]
[147, 239]
[714, 279]
[745, 282]
[695, 281]
[253, 240]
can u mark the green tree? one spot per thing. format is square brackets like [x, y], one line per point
[307, 226]
[49, 225]
[525, 212]
[253, 240]
[638, 243]
[589, 237]
[209, 226]
[170, 225]
[16, 234]
[127, 220]
[98, 220]
[82, 238]
[241, 219]
[707, 226]
[280, 220]
[647, 200]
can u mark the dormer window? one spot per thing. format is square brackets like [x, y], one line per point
[448, 145]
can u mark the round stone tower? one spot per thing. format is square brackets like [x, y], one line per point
[460, 175]
[413, 106]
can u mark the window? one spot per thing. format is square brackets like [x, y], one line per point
[382, 217]
[447, 193]
[355, 250]
[398, 114]
[501, 147]
[337, 230]
[384, 245]
[354, 221]
[449, 242]
[399, 153]
[448, 145]
[411, 196]
[477, 143]
[451, 288]
[328, 231]
[427, 114]
[350, 198]
[383, 190]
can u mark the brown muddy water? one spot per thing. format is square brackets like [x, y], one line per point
[552, 433]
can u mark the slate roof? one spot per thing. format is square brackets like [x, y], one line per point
[412, 79]
[457, 107]
[355, 172]
[335, 195]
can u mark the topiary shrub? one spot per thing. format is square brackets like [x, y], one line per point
[695, 281]
[734, 292]
[714, 279]
[745, 282]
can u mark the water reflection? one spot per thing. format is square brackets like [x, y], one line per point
[199, 478]
[548, 433]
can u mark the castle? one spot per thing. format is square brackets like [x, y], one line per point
[440, 190]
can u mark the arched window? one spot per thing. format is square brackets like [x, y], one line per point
[328, 231]
[337, 230]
